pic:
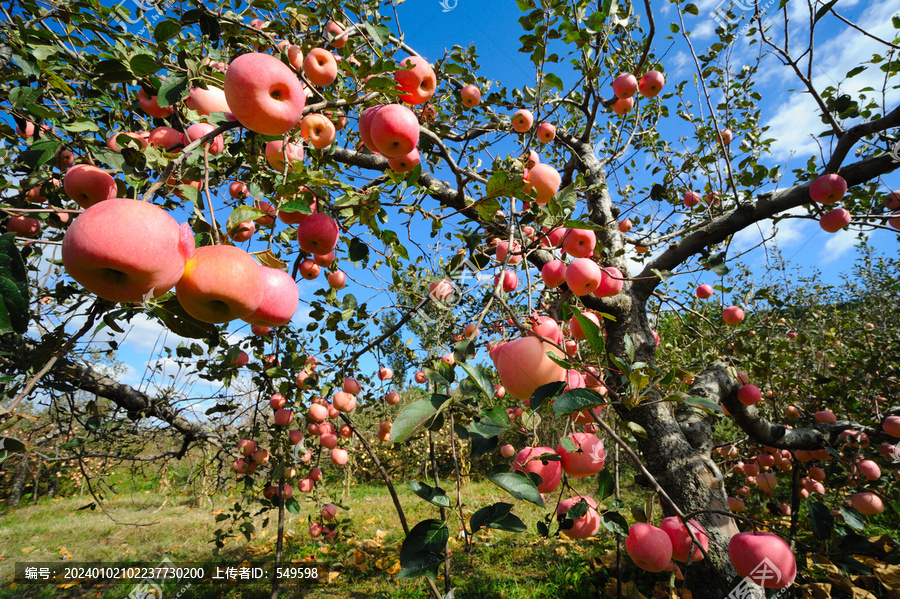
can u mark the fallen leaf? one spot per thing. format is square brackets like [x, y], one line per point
[395, 568]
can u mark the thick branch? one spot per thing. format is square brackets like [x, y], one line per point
[854, 134]
[767, 205]
[717, 384]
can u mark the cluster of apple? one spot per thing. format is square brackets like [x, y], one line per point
[328, 527]
[626, 85]
[730, 315]
[831, 188]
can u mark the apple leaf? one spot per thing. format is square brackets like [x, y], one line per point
[181, 323]
[479, 377]
[545, 392]
[143, 65]
[268, 258]
[497, 516]
[172, 91]
[615, 522]
[415, 415]
[14, 293]
[434, 495]
[296, 206]
[591, 332]
[423, 549]
[576, 400]
[515, 483]
[853, 518]
[242, 214]
[166, 30]
[821, 521]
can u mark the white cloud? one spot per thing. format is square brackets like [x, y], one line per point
[786, 232]
[838, 244]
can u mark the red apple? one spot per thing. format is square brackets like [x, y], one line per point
[510, 280]
[545, 181]
[280, 298]
[528, 460]
[623, 105]
[318, 130]
[891, 426]
[264, 94]
[625, 85]
[523, 366]
[554, 273]
[545, 133]
[691, 199]
[335, 34]
[166, 137]
[418, 82]
[625, 225]
[828, 189]
[337, 279]
[579, 243]
[651, 84]
[198, 130]
[385, 374]
[243, 231]
[522, 120]
[320, 67]
[704, 291]
[727, 136]
[207, 101]
[220, 283]
[835, 220]
[318, 234]
[649, 547]
[681, 539]
[404, 164]
[420, 377]
[126, 250]
[583, 276]
[394, 130]
[732, 315]
[309, 270]
[764, 558]
[749, 395]
[238, 190]
[612, 282]
[351, 386]
[275, 154]
[585, 526]
[88, 185]
[471, 96]
[339, 456]
[587, 459]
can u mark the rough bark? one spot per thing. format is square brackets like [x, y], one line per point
[18, 483]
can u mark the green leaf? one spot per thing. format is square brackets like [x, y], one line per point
[691, 10]
[545, 392]
[583, 224]
[242, 214]
[615, 522]
[515, 483]
[497, 516]
[181, 323]
[292, 506]
[40, 153]
[415, 415]
[606, 484]
[853, 518]
[166, 30]
[704, 404]
[172, 91]
[576, 400]
[423, 549]
[554, 81]
[14, 291]
[434, 495]
[358, 251]
[823, 11]
[143, 65]
[493, 422]
[820, 520]
[636, 429]
[296, 206]
[479, 376]
[591, 332]
[12, 445]
[81, 125]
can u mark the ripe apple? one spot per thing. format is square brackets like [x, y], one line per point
[587, 459]
[545, 180]
[139, 141]
[344, 402]
[88, 185]
[320, 67]
[220, 283]
[704, 291]
[351, 386]
[625, 225]
[318, 234]
[681, 539]
[892, 200]
[260, 456]
[385, 374]
[749, 395]
[612, 282]
[471, 96]
[166, 137]
[522, 120]
[280, 297]
[392, 398]
[735, 505]
[275, 153]
[365, 126]
[309, 270]
[732, 315]
[264, 94]
[869, 470]
[545, 133]
[579, 243]
[503, 248]
[318, 130]
[575, 326]
[586, 526]
[867, 504]
[337, 279]
[523, 366]
[317, 412]
[691, 199]
[242, 360]
[404, 164]
[277, 401]
[510, 280]
[651, 84]
[623, 105]
[324, 260]
[828, 189]
[649, 547]
[284, 417]
[243, 231]
[247, 447]
[269, 217]
[333, 32]
[835, 220]
[198, 130]
[825, 417]
[126, 263]
[727, 136]
[238, 190]
[748, 550]
[554, 273]
[339, 456]
[528, 460]
[209, 100]
[416, 79]
[891, 426]
[583, 276]
[625, 85]
[394, 130]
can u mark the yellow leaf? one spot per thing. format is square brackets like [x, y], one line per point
[28, 549]
[395, 568]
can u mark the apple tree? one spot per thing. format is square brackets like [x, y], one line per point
[196, 165]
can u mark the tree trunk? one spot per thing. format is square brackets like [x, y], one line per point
[37, 484]
[18, 483]
[676, 452]
[53, 486]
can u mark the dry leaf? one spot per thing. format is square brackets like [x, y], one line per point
[395, 568]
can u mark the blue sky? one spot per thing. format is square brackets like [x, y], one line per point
[434, 26]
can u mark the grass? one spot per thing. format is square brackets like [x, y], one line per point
[363, 560]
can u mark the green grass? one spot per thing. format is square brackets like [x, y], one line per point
[501, 564]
